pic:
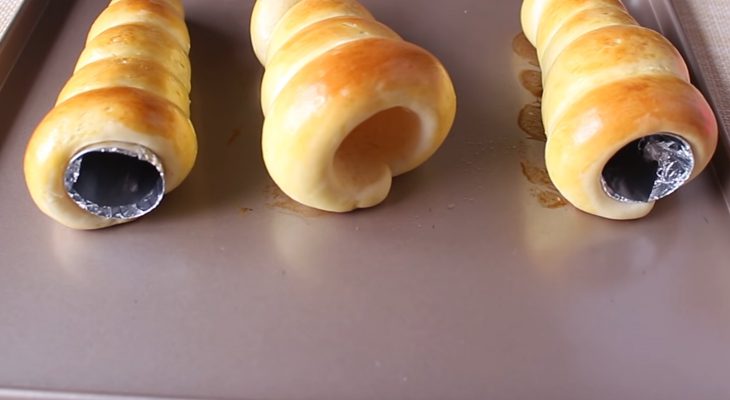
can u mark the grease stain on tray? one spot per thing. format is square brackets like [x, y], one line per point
[536, 175]
[278, 199]
[532, 81]
[523, 48]
[530, 122]
[546, 194]
[549, 198]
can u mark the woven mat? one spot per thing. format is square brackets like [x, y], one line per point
[8, 9]
[707, 25]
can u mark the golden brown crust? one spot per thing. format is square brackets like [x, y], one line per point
[580, 23]
[613, 115]
[608, 82]
[337, 86]
[556, 13]
[131, 85]
[139, 42]
[595, 59]
[306, 13]
[264, 18]
[312, 42]
[112, 114]
[175, 4]
[127, 72]
[155, 13]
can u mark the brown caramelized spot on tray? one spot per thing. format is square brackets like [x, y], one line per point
[530, 121]
[536, 175]
[235, 133]
[532, 81]
[523, 48]
[245, 210]
[279, 199]
[546, 194]
[550, 199]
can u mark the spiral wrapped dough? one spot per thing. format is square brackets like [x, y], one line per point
[119, 135]
[348, 103]
[609, 85]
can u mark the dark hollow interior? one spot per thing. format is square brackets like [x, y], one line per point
[113, 179]
[630, 174]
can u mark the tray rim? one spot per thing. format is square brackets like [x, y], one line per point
[14, 39]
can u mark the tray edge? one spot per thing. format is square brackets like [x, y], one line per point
[19, 31]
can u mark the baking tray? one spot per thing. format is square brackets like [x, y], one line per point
[26, 15]
[473, 279]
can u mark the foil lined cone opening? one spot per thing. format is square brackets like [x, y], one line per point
[115, 180]
[648, 169]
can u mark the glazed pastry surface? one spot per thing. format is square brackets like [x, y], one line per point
[130, 88]
[348, 103]
[607, 83]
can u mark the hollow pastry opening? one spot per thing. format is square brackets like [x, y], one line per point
[380, 145]
[115, 180]
[648, 168]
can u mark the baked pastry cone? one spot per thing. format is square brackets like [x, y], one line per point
[625, 126]
[348, 103]
[119, 135]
